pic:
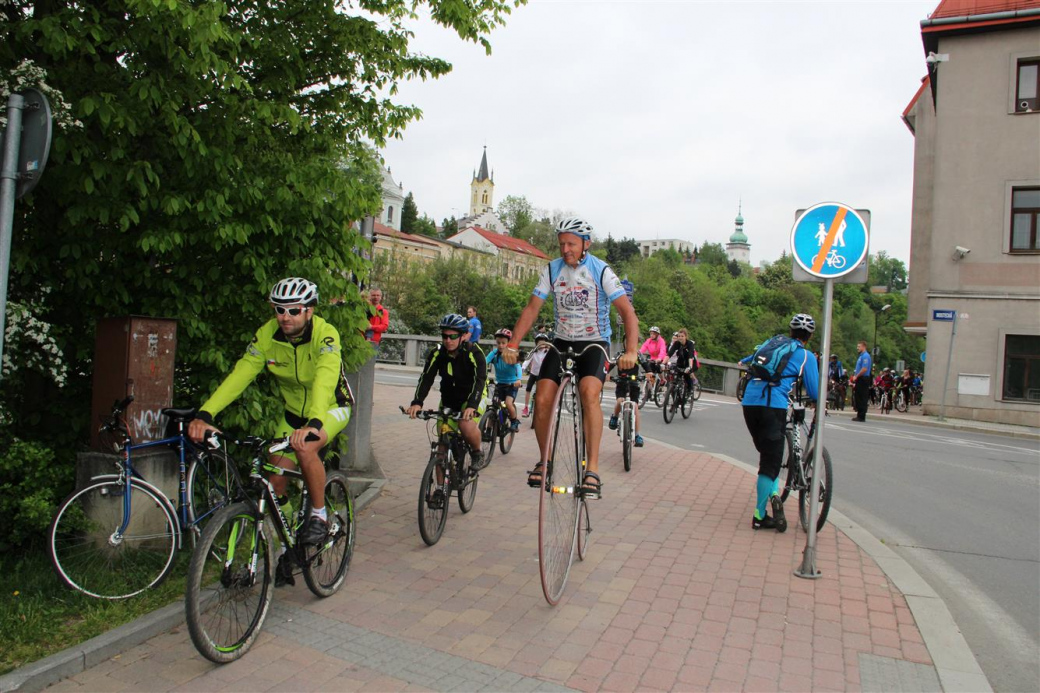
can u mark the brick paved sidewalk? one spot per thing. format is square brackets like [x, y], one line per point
[677, 593]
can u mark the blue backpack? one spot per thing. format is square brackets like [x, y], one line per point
[771, 358]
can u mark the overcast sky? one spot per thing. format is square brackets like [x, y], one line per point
[653, 119]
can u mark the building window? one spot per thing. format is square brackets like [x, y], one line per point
[1022, 367]
[1027, 92]
[483, 200]
[1025, 210]
[389, 215]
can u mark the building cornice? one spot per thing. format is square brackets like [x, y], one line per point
[986, 295]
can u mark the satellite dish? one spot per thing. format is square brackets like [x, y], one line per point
[35, 142]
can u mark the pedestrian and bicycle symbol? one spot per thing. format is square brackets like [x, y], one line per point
[829, 240]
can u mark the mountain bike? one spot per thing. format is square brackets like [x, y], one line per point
[626, 429]
[495, 426]
[900, 400]
[232, 571]
[796, 470]
[447, 473]
[677, 397]
[885, 401]
[563, 514]
[837, 394]
[664, 379]
[646, 389]
[119, 535]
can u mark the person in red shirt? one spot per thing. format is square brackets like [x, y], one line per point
[379, 322]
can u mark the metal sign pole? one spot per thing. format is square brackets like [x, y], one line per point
[808, 567]
[8, 182]
[946, 378]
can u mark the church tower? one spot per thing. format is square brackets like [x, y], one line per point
[738, 247]
[482, 189]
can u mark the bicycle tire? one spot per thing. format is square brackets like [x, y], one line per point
[645, 393]
[467, 485]
[741, 388]
[659, 391]
[901, 404]
[826, 493]
[209, 481]
[326, 571]
[224, 606]
[697, 391]
[87, 558]
[785, 477]
[686, 406]
[668, 408]
[432, 519]
[488, 434]
[584, 530]
[627, 439]
[559, 498]
[505, 440]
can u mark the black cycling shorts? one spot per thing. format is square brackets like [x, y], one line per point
[504, 390]
[593, 363]
[531, 380]
[627, 388]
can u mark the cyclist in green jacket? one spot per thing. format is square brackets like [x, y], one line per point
[302, 354]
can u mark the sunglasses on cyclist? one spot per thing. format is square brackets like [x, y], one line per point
[450, 336]
[294, 311]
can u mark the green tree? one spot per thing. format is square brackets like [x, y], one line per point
[409, 214]
[713, 254]
[516, 213]
[424, 225]
[887, 271]
[449, 227]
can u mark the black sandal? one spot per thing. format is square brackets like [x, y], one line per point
[534, 476]
[591, 489]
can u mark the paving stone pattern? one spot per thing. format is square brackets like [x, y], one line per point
[677, 593]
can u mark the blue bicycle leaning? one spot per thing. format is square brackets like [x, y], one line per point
[119, 535]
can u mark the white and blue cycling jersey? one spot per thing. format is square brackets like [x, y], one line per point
[582, 297]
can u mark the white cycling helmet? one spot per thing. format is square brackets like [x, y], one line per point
[656, 329]
[803, 321]
[294, 290]
[579, 227]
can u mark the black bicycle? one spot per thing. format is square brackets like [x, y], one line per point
[119, 535]
[677, 397]
[796, 471]
[232, 572]
[447, 473]
[495, 426]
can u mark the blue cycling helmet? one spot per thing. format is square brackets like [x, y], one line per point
[579, 227]
[454, 321]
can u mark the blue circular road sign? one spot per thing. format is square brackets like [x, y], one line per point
[829, 240]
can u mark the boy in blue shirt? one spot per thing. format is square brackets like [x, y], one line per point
[765, 414]
[507, 377]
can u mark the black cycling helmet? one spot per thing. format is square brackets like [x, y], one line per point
[454, 321]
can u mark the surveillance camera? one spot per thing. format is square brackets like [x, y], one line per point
[960, 251]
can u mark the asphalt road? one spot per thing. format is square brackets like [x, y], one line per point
[962, 508]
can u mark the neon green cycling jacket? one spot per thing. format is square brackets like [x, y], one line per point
[307, 372]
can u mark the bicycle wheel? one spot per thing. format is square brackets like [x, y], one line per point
[433, 499]
[901, 404]
[826, 491]
[227, 599]
[488, 434]
[92, 556]
[687, 403]
[505, 439]
[559, 498]
[209, 481]
[669, 406]
[659, 391]
[697, 392]
[627, 437]
[467, 485]
[584, 529]
[327, 570]
[645, 393]
[741, 387]
[786, 477]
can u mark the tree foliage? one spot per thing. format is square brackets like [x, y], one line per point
[516, 213]
[409, 214]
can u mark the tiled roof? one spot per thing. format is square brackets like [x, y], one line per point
[382, 230]
[964, 8]
[517, 245]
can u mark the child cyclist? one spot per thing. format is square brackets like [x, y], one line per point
[508, 378]
[533, 365]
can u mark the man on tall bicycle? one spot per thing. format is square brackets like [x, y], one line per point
[302, 353]
[583, 289]
[463, 373]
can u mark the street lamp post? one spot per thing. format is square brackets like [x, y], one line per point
[877, 314]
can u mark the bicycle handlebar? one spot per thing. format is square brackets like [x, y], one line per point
[427, 414]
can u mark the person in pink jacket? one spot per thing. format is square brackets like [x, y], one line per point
[656, 348]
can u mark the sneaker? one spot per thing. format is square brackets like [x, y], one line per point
[612, 424]
[515, 425]
[436, 500]
[314, 531]
[639, 441]
[526, 412]
[765, 523]
[778, 514]
[477, 460]
[283, 572]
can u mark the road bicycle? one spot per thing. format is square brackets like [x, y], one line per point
[232, 572]
[119, 535]
[564, 525]
[495, 426]
[447, 473]
[796, 470]
[677, 397]
[626, 429]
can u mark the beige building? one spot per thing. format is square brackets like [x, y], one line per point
[975, 251]
[515, 260]
[648, 248]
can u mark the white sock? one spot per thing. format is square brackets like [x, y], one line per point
[319, 512]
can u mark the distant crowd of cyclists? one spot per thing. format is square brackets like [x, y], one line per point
[888, 389]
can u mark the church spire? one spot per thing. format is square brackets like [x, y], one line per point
[483, 175]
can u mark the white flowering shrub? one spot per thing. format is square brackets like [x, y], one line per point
[30, 75]
[29, 344]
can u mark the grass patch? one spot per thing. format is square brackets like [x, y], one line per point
[39, 616]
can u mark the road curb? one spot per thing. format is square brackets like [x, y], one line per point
[954, 661]
[78, 658]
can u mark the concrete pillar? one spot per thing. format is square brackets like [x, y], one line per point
[411, 352]
[358, 457]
